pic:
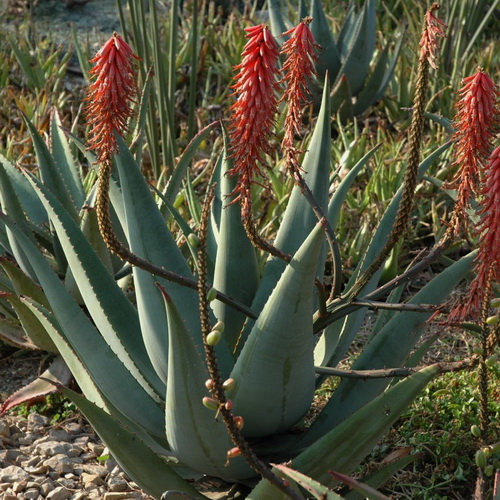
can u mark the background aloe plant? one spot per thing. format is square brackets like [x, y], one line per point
[359, 76]
[138, 358]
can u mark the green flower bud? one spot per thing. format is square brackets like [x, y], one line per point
[475, 431]
[209, 384]
[481, 459]
[228, 384]
[193, 240]
[487, 451]
[488, 470]
[492, 361]
[210, 403]
[213, 338]
[477, 350]
[495, 302]
[219, 326]
[492, 320]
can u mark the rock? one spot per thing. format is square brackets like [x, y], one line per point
[31, 493]
[99, 470]
[4, 429]
[9, 456]
[59, 493]
[117, 484]
[13, 473]
[60, 435]
[60, 463]
[19, 486]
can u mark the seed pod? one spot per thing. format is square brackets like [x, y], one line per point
[487, 450]
[475, 431]
[228, 405]
[492, 320]
[209, 384]
[210, 403]
[213, 338]
[211, 294]
[488, 470]
[480, 459]
[477, 350]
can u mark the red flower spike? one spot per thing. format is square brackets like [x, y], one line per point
[488, 259]
[253, 112]
[301, 51]
[475, 123]
[110, 95]
[434, 29]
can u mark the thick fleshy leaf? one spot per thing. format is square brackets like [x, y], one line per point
[342, 99]
[317, 490]
[378, 81]
[344, 446]
[50, 173]
[198, 439]
[57, 372]
[12, 207]
[236, 271]
[80, 335]
[31, 326]
[114, 315]
[274, 372]
[68, 169]
[149, 470]
[149, 238]
[389, 348]
[329, 57]
[276, 20]
[29, 200]
[361, 46]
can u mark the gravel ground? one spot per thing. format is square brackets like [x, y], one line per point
[59, 461]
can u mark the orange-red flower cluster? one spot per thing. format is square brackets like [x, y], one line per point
[487, 263]
[253, 112]
[475, 124]
[434, 28]
[301, 51]
[111, 95]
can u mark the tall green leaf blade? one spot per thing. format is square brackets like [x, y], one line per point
[13, 209]
[389, 348]
[360, 52]
[236, 271]
[106, 369]
[149, 238]
[50, 173]
[112, 312]
[198, 439]
[29, 200]
[274, 372]
[149, 470]
[276, 19]
[329, 57]
[65, 163]
[379, 79]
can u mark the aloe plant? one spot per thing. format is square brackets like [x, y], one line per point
[254, 348]
[359, 74]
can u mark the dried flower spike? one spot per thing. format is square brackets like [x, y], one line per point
[475, 123]
[110, 96]
[301, 51]
[434, 28]
[487, 263]
[253, 112]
